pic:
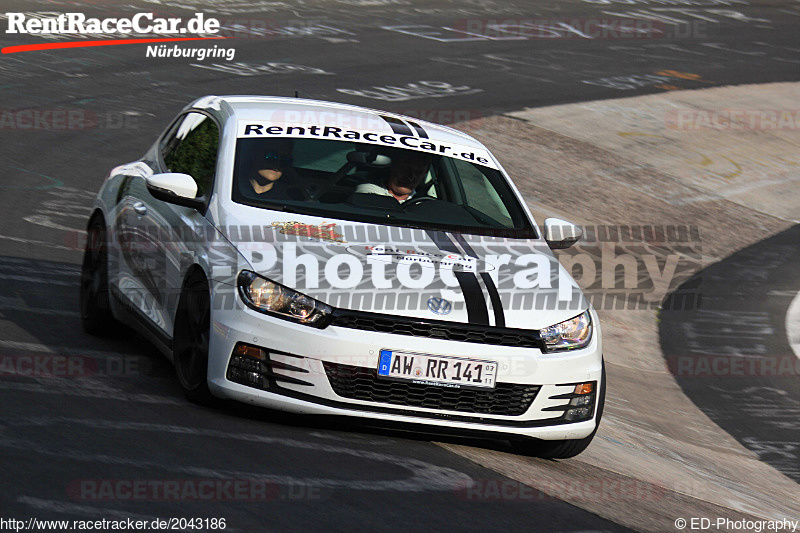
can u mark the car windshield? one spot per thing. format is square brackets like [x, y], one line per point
[377, 184]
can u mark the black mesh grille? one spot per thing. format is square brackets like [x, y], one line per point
[438, 330]
[358, 383]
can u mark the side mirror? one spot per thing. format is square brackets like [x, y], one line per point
[561, 234]
[175, 188]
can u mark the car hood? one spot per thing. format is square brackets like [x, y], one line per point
[426, 274]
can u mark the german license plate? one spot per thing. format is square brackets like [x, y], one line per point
[443, 371]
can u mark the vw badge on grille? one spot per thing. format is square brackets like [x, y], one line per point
[440, 306]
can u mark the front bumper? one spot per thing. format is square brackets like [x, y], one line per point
[308, 370]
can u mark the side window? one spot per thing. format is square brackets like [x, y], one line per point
[191, 148]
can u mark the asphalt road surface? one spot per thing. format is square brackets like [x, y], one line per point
[731, 354]
[119, 417]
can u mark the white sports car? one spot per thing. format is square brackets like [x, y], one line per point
[329, 259]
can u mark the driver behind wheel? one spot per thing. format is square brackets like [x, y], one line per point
[405, 175]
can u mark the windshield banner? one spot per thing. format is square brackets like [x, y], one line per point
[248, 129]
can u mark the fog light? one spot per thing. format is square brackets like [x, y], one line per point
[582, 400]
[248, 366]
[245, 363]
[578, 413]
[253, 379]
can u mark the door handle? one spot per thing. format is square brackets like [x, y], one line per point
[140, 209]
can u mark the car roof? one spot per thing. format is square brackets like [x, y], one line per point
[323, 113]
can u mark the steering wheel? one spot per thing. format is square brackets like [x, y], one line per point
[304, 191]
[417, 200]
[334, 181]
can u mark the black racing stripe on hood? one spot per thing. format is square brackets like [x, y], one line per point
[421, 132]
[491, 288]
[442, 241]
[398, 126]
[497, 303]
[465, 245]
[477, 312]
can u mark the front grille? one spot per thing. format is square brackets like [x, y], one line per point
[451, 331]
[359, 383]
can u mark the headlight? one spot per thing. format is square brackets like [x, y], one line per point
[269, 297]
[568, 335]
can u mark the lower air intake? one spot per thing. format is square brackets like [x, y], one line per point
[358, 383]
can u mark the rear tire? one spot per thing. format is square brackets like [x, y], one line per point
[564, 449]
[96, 317]
[191, 338]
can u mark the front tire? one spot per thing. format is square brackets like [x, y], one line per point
[96, 317]
[191, 339]
[564, 449]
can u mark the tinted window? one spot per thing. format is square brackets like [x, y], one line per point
[482, 196]
[322, 155]
[366, 183]
[191, 148]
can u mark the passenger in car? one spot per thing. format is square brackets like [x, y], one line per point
[405, 175]
[263, 180]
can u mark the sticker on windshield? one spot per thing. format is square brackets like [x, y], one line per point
[250, 129]
[324, 232]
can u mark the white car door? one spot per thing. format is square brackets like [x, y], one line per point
[175, 236]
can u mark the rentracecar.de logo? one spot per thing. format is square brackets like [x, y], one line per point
[141, 23]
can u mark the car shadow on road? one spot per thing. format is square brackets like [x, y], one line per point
[730, 353]
[40, 315]
[39, 305]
